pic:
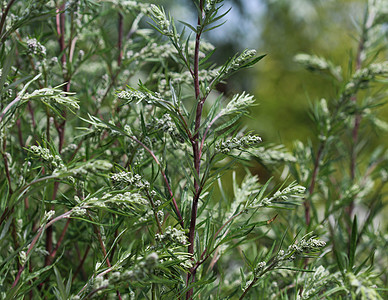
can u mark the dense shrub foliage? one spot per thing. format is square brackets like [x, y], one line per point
[117, 152]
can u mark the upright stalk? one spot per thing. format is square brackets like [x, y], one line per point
[195, 144]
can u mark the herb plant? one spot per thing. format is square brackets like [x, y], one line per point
[117, 152]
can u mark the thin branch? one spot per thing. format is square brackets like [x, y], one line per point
[60, 240]
[6, 167]
[164, 177]
[314, 176]
[120, 39]
[80, 266]
[34, 241]
[4, 15]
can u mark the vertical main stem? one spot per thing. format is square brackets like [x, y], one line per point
[196, 152]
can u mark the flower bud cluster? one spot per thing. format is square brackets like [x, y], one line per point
[160, 19]
[172, 235]
[55, 95]
[260, 266]
[78, 211]
[273, 155]
[363, 76]
[132, 95]
[238, 143]
[304, 246]
[239, 103]
[378, 9]
[166, 124]
[47, 216]
[291, 191]
[210, 4]
[128, 178]
[316, 63]
[125, 200]
[314, 281]
[54, 161]
[133, 5]
[177, 79]
[311, 62]
[240, 60]
[91, 166]
[36, 48]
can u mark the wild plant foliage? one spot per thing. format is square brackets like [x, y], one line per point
[116, 148]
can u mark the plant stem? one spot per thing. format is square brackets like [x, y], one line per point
[34, 241]
[195, 145]
[313, 182]
[164, 177]
[120, 39]
[4, 15]
[80, 266]
[6, 166]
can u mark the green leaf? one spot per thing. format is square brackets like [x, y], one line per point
[353, 244]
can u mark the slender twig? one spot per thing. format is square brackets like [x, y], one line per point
[4, 15]
[8, 107]
[32, 114]
[314, 176]
[34, 241]
[120, 39]
[60, 22]
[6, 167]
[60, 240]
[203, 259]
[154, 211]
[20, 135]
[164, 177]
[98, 232]
[256, 278]
[80, 266]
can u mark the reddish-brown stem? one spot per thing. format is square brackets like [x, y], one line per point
[196, 150]
[34, 241]
[60, 22]
[105, 254]
[20, 135]
[60, 240]
[80, 266]
[120, 39]
[4, 15]
[30, 109]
